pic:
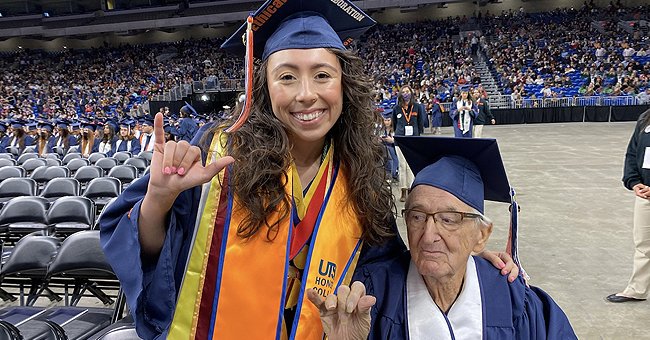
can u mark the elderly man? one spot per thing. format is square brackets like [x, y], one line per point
[438, 290]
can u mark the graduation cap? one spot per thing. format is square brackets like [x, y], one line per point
[31, 125]
[301, 24]
[387, 113]
[75, 126]
[45, 125]
[187, 108]
[17, 124]
[147, 120]
[127, 123]
[62, 124]
[471, 169]
[89, 125]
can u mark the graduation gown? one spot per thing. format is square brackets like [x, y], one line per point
[186, 129]
[457, 117]
[509, 310]
[132, 146]
[151, 288]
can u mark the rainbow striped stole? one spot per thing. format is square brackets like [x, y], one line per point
[237, 289]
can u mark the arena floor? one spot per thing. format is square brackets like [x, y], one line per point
[575, 222]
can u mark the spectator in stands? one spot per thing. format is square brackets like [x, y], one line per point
[88, 142]
[636, 177]
[484, 114]
[4, 138]
[643, 97]
[107, 144]
[126, 141]
[463, 113]
[45, 141]
[408, 120]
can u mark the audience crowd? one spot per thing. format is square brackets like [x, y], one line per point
[537, 55]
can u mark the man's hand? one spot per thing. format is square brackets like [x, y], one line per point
[346, 315]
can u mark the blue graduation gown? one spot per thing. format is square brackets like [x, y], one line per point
[135, 146]
[186, 129]
[151, 287]
[455, 116]
[510, 310]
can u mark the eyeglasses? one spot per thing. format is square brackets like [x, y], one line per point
[449, 220]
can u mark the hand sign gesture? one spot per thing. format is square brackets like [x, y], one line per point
[345, 316]
[177, 166]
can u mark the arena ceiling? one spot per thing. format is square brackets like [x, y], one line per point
[68, 7]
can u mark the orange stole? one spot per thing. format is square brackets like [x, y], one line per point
[253, 287]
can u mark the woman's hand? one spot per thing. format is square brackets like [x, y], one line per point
[345, 316]
[177, 166]
[642, 190]
[503, 261]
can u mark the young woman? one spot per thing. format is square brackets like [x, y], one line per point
[126, 140]
[107, 144]
[463, 112]
[88, 142]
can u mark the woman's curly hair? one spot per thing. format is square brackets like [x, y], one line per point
[262, 153]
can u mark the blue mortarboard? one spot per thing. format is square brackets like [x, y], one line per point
[147, 120]
[387, 113]
[88, 125]
[187, 108]
[3, 127]
[31, 125]
[62, 124]
[112, 123]
[469, 168]
[75, 126]
[46, 126]
[301, 24]
[17, 124]
[127, 123]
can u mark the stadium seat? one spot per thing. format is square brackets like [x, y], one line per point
[148, 155]
[52, 161]
[82, 259]
[24, 157]
[52, 156]
[107, 163]
[29, 260]
[23, 215]
[139, 163]
[99, 217]
[101, 190]
[122, 156]
[70, 156]
[15, 187]
[71, 214]
[10, 171]
[29, 149]
[60, 187]
[76, 163]
[7, 162]
[95, 156]
[31, 164]
[5, 155]
[73, 149]
[87, 172]
[45, 173]
[125, 173]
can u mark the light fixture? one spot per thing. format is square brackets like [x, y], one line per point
[205, 97]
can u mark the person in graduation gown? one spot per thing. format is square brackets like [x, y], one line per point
[107, 143]
[19, 138]
[45, 141]
[187, 127]
[463, 113]
[88, 143]
[228, 232]
[4, 138]
[437, 289]
[65, 139]
[147, 137]
[126, 141]
[436, 116]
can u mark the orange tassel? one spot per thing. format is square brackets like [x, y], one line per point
[246, 109]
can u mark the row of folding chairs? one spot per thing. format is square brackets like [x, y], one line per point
[42, 176]
[106, 163]
[121, 156]
[39, 265]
